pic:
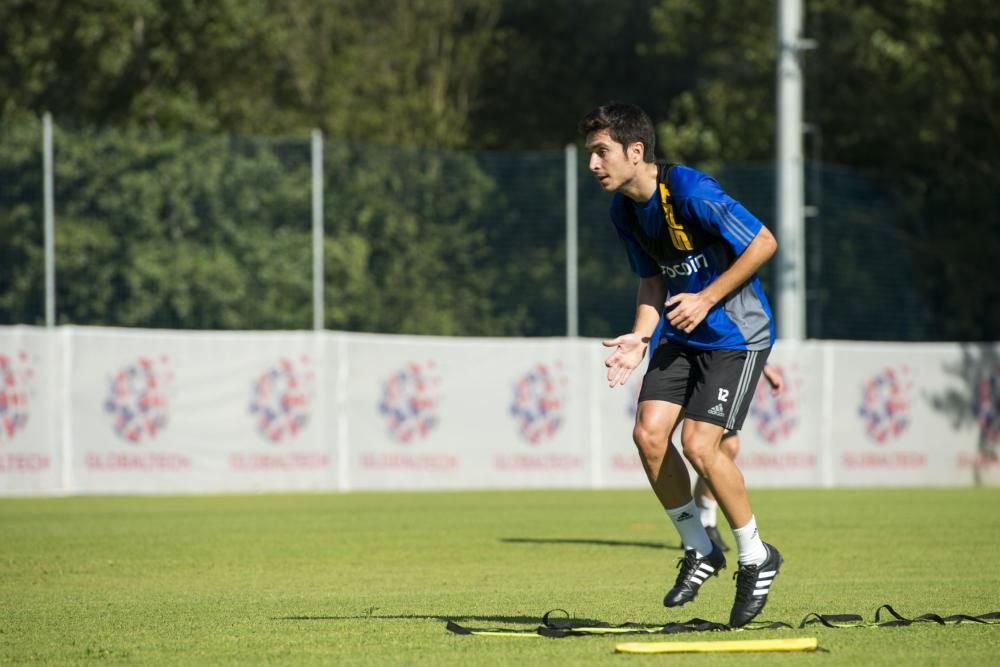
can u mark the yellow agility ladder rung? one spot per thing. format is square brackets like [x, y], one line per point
[729, 646]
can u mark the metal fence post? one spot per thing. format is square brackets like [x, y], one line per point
[48, 194]
[317, 228]
[572, 248]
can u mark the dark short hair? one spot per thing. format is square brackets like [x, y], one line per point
[625, 123]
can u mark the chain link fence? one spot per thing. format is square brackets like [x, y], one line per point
[184, 231]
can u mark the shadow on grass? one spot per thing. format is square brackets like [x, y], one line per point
[601, 543]
[521, 620]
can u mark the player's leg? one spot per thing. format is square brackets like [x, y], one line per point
[731, 448]
[668, 476]
[702, 443]
[664, 388]
[720, 401]
[703, 497]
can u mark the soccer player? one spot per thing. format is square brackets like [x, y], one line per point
[703, 497]
[696, 252]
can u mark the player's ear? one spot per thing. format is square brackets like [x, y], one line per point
[635, 152]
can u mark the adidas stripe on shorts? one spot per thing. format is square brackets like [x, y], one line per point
[715, 386]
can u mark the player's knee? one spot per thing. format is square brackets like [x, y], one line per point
[730, 446]
[696, 451]
[651, 432]
[700, 443]
[647, 438]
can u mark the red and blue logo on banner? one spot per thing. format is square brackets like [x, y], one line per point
[885, 404]
[279, 399]
[409, 404]
[137, 399]
[776, 416]
[16, 378]
[537, 406]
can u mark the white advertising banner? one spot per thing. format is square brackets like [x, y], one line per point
[425, 412]
[95, 410]
[196, 411]
[898, 416]
[30, 456]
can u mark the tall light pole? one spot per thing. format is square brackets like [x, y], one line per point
[790, 185]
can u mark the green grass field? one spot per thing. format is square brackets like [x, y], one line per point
[371, 578]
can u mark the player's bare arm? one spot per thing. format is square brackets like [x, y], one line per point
[631, 348]
[687, 310]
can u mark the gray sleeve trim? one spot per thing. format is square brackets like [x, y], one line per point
[731, 222]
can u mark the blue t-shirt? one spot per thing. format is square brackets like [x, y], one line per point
[705, 234]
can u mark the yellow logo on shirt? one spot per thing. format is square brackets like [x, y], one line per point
[678, 236]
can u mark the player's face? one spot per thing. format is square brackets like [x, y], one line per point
[612, 164]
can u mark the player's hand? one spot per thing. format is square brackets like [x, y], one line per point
[628, 354]
[688, 310]
[773, 377]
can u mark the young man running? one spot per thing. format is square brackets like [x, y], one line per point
[696, 252]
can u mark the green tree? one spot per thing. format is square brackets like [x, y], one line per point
[555, 60]
[22, 264]
[726, 50]
[909, 92]
[370, 70]
[161, 227]
[905, 93]
[166, 229]
[414, 258]
[213, 228]
[384, 71]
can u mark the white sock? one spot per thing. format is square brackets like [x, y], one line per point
[751, 548]
[693, 534]
[707, 506]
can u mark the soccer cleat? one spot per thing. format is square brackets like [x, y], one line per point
[694, 572]
[753, 583]
[713, 534]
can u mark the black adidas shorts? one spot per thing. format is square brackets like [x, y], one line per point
[715, 386]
